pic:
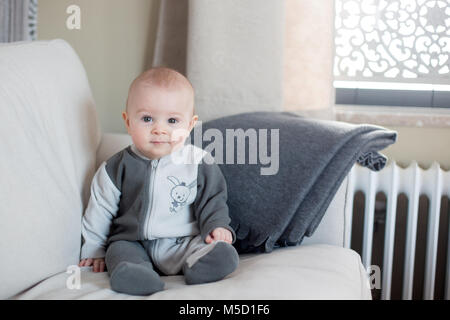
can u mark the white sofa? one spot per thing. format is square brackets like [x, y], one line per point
[51, 145]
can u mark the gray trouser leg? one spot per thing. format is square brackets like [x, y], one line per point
[215, 265]
[130, 269]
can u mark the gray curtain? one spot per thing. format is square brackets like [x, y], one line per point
[18, 20]
[231, 51]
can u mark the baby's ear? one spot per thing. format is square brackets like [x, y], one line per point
[193, 122]
[126, 119]
[174, 180]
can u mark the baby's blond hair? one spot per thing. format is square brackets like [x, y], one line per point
[164, 78]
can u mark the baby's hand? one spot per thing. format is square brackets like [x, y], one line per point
[99, 264]
[219, 234]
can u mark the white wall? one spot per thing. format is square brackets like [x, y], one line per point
[424, 145]
[115, 44]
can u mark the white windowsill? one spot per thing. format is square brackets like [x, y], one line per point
[394, 116]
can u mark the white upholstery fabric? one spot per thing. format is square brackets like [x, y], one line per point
[110, 144]
[304, 272]
[333, 229]
[48, 139]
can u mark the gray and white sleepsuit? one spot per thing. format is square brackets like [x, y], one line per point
[147, 216]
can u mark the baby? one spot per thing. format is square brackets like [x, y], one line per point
[159, 205]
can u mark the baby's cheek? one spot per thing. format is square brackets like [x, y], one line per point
[179, 135]
[139, 136]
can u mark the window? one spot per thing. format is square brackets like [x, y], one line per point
[394, 52]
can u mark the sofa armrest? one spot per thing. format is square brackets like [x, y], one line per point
[110, 144]
[335, 227]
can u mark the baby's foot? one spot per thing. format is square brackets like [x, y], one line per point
[222, 260]
[135, 279]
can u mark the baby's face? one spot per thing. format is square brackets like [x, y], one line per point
[158, 119]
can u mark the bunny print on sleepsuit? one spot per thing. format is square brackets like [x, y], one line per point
[179, 193]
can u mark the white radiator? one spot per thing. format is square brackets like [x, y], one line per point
[413, 182]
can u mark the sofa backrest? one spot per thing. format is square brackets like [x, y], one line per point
[48, 140]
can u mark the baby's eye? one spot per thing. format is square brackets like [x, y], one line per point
[173, 120]
[147, 119]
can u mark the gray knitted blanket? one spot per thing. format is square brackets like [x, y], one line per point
[278, 204]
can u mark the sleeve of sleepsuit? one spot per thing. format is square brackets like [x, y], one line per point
[210, 205]
[101, 209]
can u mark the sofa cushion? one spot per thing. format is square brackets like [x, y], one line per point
[304, 272]
[48, 137]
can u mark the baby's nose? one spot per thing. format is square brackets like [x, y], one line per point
[158, 129]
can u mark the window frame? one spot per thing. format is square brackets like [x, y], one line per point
[393, 97]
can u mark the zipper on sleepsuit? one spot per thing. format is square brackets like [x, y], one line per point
[154, 165]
